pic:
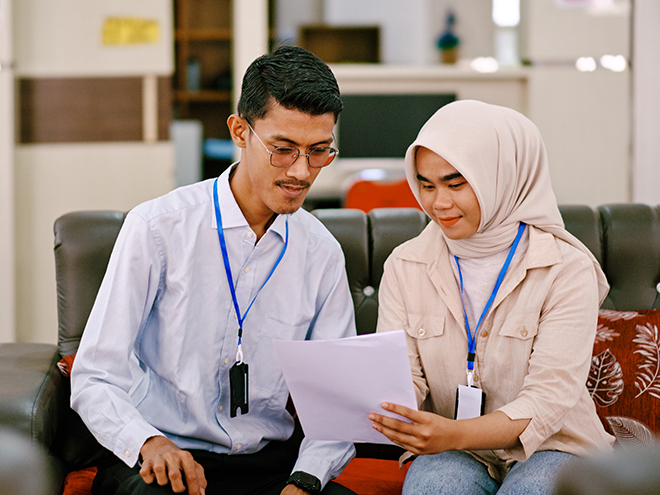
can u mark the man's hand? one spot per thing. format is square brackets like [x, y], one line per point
[164, 462]
[293, 490]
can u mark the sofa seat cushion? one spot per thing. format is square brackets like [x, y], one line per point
[373, 476]
[79, 482]
[624, 380]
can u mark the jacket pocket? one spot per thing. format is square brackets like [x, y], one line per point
[423, 327]
[521, 326]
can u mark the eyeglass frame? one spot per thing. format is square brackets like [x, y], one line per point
[306, 155]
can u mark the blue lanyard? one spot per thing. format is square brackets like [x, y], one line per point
[230, 280]
[473, 337]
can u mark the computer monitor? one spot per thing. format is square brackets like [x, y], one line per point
[384, 125]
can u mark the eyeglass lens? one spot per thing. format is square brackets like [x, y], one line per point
[317, 157]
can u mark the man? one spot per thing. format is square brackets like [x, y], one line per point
[176, 373]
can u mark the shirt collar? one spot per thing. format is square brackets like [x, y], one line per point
[232, 216]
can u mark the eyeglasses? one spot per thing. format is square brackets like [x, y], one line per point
[285, 156]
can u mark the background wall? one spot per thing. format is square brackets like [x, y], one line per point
[584, 117]
[646, 102]
[7, 295]
[62, 43]
[409, 30]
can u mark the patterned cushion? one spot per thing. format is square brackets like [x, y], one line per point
[624, 379]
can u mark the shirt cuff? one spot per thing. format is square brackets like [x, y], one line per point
[325, 468]
[531, 437]
[131, 439]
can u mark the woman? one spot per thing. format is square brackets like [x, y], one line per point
[496, 294]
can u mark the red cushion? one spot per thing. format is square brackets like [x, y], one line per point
[79, 482]
[624, 379]
[373, 476]
[366, 195]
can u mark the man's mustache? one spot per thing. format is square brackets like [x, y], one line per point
[295, 183]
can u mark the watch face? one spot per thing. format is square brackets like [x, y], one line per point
[305, 481]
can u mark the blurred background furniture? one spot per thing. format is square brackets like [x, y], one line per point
[24, 469]
[619, 473]
[34, 395]
[377, 188]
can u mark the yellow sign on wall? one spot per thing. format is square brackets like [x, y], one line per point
[130, 31]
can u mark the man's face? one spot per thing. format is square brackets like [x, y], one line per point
[263, 189]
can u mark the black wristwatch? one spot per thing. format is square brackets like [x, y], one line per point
[304, 481]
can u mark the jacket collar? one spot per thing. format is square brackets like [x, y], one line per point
[431, 249]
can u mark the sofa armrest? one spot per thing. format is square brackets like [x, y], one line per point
[31, 398]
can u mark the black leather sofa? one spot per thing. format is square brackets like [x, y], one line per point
[34, 397]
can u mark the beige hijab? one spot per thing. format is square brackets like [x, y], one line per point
[502, 156]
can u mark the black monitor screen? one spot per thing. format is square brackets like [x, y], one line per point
[383, 126]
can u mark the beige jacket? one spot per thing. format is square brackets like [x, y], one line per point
[534, 349]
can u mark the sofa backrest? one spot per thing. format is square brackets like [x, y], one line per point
[625, 238]
[83, 243]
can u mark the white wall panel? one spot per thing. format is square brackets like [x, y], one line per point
[56, 179]
[64, 37]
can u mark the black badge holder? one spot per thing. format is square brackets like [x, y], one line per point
[238, 382]
[238, 386]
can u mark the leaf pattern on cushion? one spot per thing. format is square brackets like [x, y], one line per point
[605, 380]
[604, 333]
[630, 434]
[648, 371]
[613, 315]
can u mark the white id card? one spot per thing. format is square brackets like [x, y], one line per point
[470, 402]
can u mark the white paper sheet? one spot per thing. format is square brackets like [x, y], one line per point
[335, 384]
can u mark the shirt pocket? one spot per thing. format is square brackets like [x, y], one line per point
[424, 327]
[264, 367]
[520, 326]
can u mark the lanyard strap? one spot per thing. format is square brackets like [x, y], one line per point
[230, 279]
[473, 337]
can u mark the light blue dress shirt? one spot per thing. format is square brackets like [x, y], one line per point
[155, 355]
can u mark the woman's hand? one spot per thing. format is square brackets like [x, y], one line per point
[428, 433]
[431, 433]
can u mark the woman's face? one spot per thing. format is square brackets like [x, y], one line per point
[446, 195]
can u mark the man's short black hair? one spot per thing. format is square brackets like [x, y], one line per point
[292, 77]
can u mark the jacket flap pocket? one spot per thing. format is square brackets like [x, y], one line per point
[425, 326]
[521, 326]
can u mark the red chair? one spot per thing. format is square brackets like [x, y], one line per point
[378, 188]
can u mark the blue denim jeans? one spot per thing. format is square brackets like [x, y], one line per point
[457, 472]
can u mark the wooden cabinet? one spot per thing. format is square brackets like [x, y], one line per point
[203, 78]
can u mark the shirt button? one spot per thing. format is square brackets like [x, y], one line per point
[523, 333]
[247, 269]
[239, 447]
[220, 408]
[227, 361]
[249, 235]
[127, 453]
[421, 332]
[484, 333]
